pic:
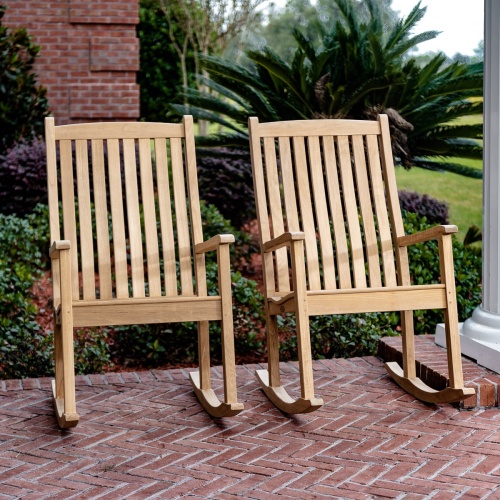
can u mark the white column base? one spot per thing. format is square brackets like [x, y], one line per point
[479, 338]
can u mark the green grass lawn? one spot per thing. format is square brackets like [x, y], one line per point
[463, 194]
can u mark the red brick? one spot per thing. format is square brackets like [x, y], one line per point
[90, 43]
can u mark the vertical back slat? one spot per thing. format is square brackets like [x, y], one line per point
[134, 218]
[194, 203]
[276, 210]
[306, 212]
[101, 216]
[85, 218]
[350, 205]
[287, 178]
[148, 205]
[166, 224]
[260, 200]
[69, 215]
[321, 210]
[391, 191]
[365, 201]
[118, 219]
[183, 237]
[379, 200]
[337, 213]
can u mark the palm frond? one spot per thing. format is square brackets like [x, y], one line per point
[218, 65]
[405, 45]
[404, 26]
[255, 98]
[359, 93]
[460, 147]
[223, 91]
[278, 69]
[474, 131]
[448, 166]
[213, 103]
[203, 114]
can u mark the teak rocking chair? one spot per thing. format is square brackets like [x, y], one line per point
[128, 193]
[328, 211]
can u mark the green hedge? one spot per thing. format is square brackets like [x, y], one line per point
[25, 350]
[358, 334]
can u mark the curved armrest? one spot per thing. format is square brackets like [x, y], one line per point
[57, 246]
[282, 240]
[213, 243]
[428, 234]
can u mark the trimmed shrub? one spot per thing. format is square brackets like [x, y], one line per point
[176, 343]
[23, 104]
[23, 177]
[358, 334]
[26, 350]
[436, 212]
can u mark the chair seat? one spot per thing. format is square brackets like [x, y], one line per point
[145, 310]
[380, 299]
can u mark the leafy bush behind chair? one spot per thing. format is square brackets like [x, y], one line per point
[358, 334]
[25, 349]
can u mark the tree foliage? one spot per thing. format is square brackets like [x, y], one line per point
[160, 74]
[23, 103]
[356, 68]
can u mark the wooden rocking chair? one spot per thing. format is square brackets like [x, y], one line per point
[117, 189]
[313, 179]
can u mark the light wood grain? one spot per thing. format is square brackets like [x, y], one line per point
[329, 193]
[116, 193]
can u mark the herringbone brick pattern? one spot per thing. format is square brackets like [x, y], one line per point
[144, 435]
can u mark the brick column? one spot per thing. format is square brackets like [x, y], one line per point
[89, 55]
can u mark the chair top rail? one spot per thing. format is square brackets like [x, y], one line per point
[119, 130]
[318, 127]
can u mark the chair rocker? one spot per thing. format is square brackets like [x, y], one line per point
[117, 189]
[332, 242]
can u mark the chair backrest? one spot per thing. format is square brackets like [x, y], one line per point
[126, 196]
[333, 180]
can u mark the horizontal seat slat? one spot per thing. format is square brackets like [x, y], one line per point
[146, 310]
[403, 298]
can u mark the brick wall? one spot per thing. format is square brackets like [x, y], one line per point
[89, 55]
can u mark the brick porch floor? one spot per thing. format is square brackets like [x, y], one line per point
[143, 435]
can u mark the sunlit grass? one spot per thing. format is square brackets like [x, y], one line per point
[463, 194]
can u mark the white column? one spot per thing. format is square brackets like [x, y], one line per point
[480, 334]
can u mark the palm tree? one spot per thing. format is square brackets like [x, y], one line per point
[357, 70]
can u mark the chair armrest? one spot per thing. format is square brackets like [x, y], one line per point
[213, 243]
[426, 235]
[282, 240]
[57, 246]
